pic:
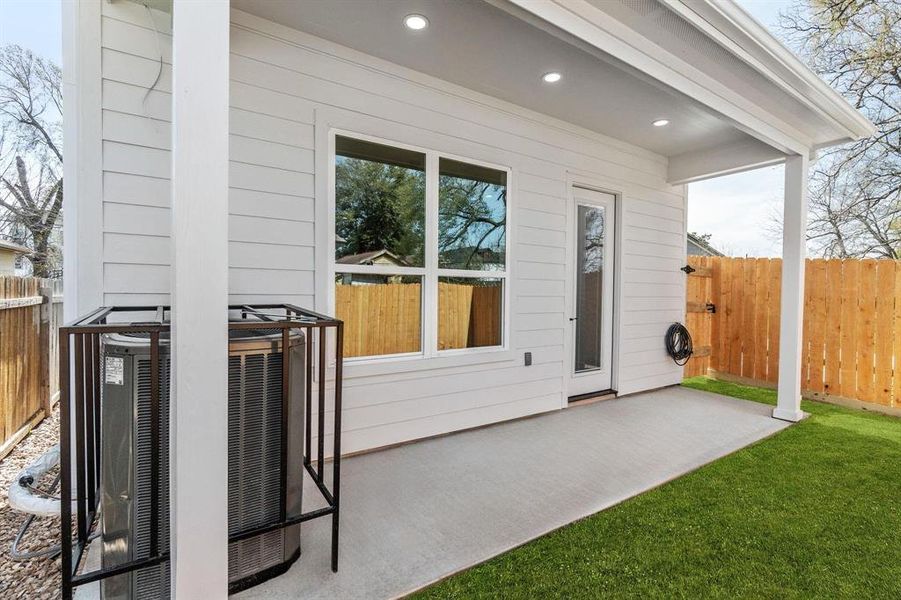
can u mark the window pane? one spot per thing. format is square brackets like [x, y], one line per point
[470, 312]
[379, 204]
[381, 313]
[472, 207]
[590, 288]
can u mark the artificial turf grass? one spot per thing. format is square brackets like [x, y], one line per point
[814, 511]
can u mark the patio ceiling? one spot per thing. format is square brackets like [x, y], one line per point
[505, 54]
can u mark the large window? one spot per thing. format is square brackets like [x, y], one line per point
[420, 250]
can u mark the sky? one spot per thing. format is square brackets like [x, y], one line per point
[712, 205]
[33, 24]
[754, 196]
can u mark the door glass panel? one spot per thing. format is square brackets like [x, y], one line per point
[589, 286]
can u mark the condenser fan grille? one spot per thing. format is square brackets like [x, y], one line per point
[254, 458]
[149, 582]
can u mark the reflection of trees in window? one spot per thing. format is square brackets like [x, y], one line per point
[593, 240]
[472, 221]
[379, 206]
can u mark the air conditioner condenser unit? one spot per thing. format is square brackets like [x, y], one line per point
[255, 463]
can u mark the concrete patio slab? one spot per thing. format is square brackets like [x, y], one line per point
[414, 514]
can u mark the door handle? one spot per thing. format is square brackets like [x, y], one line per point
[574, 318]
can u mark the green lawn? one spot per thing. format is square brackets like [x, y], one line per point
[812, 512]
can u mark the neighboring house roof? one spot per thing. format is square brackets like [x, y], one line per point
[367, 258]
[698, 247]
[11, 247]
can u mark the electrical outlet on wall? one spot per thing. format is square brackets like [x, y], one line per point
[527, 358]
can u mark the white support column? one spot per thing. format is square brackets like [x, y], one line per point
[82, 147]
[794, 253]
[199, 443]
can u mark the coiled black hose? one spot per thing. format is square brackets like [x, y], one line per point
[678, 343]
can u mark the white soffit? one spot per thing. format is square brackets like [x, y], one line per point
[752, 41]
[476, 45]
[718, 45]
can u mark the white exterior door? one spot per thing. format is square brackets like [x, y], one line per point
[591, 305]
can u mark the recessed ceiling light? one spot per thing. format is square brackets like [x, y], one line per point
[416, 22]
[660, 123]
[552, 77]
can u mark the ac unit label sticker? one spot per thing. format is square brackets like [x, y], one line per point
[115, 370]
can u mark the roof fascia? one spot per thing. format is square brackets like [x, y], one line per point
[16, 248]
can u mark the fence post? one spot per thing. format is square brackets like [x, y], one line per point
[46, 306]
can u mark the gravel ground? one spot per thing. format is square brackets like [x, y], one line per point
[37, 578]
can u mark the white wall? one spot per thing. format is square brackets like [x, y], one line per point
[7, 263]
[282, 83]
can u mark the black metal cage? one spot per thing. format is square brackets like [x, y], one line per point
[80, 426]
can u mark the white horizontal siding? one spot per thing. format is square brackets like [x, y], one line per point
[280, 78]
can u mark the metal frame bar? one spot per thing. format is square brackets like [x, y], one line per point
[80, 368]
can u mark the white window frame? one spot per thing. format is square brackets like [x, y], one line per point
[430, 272]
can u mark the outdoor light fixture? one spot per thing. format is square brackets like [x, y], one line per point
[552, 77]
[416, 22]
[660, 123]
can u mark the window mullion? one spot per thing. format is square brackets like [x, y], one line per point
[472, 274]
[377, 269]
[430, 285]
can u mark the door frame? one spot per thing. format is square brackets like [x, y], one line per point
[587, 182]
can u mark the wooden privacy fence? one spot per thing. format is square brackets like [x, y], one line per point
[852, 325]
[386, 318]
[30, 313]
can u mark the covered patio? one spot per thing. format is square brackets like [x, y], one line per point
[420, 512]
[204, 141]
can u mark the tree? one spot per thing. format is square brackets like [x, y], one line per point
[855, 189]
[471, 222]
[379, 207]
[382, 206]
[31, 185]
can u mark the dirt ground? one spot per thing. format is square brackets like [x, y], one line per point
[37, 578]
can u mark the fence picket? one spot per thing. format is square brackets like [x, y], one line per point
[748, 336]
[724, 311]
[762, 270]
[805, 335]
[716, 268]
[848, 370]
[884, 328]
[735, 322]
[773, 325]
[896, 344]
[833, 328]
[815, 324]
[866, 312]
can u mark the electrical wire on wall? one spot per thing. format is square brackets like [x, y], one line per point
[159, 50]
[678, 343]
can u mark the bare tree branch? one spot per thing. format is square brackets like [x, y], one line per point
[855, 189]
[31, 188]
